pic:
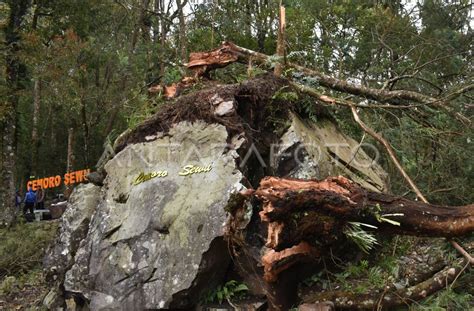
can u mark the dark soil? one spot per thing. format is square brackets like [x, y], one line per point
[254, 98]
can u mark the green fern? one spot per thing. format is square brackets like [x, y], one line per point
[231, 289]
[363, 239]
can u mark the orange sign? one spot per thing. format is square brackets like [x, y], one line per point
[55, 181]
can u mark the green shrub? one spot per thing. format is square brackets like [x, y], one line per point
[7, 285]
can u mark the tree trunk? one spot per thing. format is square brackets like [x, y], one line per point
[8, 118]
[163, 32]
[281, 41]
[182, 31]
[34, 130]
[343, 200]
[111, 120]
[301, 220]
[70, 158]
[85, 127]
[141, 24]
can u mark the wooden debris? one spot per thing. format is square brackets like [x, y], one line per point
[203, 62]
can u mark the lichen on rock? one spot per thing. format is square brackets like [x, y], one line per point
[146, 241]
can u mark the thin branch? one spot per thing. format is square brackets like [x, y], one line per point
[333, 100]
[390, 152]
[458, 93]
[393, 297]
[391, 82]
[431, 61]
[395, 160]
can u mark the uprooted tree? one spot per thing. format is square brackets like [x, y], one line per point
[303, 219]
[281, 233]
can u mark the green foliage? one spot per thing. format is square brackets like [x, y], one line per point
[14, 284]
[172, 75]
[446, 300]
[285, 95]
[358, 278]
[363, 239]
[315, 279]
[7, 285]
[230, 290]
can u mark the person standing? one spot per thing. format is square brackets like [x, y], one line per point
[40, 198]
[18, 199]
[30, 201]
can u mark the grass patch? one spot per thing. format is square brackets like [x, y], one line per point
[22, 248]
[22, 284]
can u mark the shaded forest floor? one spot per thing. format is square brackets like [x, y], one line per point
[22, 285]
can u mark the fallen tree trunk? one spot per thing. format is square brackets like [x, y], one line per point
[295, 210]
[229, 52]
[345, 201]
[202, 62]
[342, 199]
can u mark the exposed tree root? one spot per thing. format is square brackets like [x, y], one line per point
[303, 218]
[276, 262]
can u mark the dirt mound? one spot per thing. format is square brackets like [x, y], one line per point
[255, 106]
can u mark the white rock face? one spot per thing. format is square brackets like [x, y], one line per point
[151, 241]
[74, 226]
[319, 150]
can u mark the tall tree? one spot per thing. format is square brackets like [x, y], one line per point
[15, 72]
[182, 30]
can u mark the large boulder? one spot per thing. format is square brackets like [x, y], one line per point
[154, 238]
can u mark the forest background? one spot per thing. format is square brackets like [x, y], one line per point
[76, 73]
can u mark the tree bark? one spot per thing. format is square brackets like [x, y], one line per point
[85, 127]
[163, 33]
[182, 30]
[8, 117]
[281, 41]
[345, 201]
[70, 158]
[34, 130]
